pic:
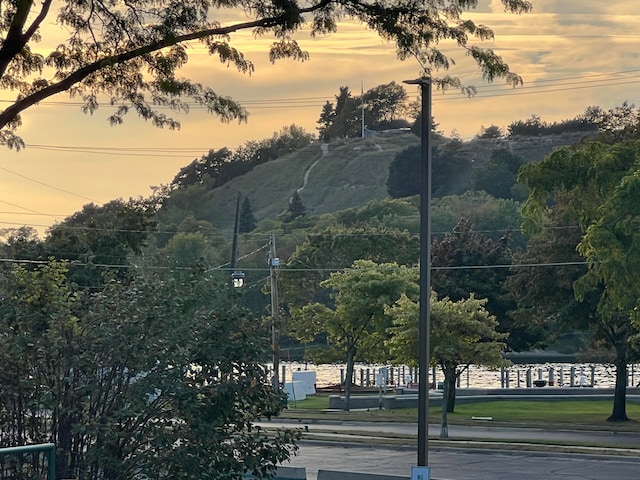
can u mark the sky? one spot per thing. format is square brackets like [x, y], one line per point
[570, 54]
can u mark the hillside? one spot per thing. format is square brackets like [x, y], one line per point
[344, 174]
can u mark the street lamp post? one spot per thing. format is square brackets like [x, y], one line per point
[237, 277]
[421, 472]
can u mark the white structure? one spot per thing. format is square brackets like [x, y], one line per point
[307, 380]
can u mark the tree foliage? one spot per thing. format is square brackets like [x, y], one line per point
[357, 324]
[248, 221]
[498, 176]
[129, 57]
[467, 262]
[616, 124]
[492, 131]
[535, 126]
[101, 236]
[337, 248]
[462, 333]
[343, 119]
[600, 183]
[160, 376]
[295, 209]
[449, 169]
[219, 166]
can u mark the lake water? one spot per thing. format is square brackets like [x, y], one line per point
[565, 374]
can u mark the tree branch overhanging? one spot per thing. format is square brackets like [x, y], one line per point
[416, 27]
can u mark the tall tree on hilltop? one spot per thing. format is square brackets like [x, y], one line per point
[384, 104]
[343, 120]
[616, 124]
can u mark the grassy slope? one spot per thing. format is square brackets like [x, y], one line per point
[353, 173]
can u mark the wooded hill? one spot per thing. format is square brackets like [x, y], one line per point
[342, 174]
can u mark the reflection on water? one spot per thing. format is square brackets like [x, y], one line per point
[560, 374]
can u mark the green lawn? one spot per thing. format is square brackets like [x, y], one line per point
[579, 413]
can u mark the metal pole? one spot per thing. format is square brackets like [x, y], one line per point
[425, 272]
[236, 230]
[273, 263]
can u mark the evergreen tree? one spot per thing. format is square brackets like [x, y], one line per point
[247, 219]
[296, 209]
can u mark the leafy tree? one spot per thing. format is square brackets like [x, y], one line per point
[600, 183]
[325, 121]
[163, 374]
[21, 243]
[450, 172]
[185, 250]
[463, 333]
[207, 170]
[547, 308]
[532, 126]
[357, 325]
[247, 219]
[404, 178]
[383, 104]
[498, 177]
[492, 131]
[468, 262]
[616, 124]
[101, 237]
[488, 214]
[337, 248]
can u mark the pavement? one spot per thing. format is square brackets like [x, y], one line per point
[485, 451]
[471, 436]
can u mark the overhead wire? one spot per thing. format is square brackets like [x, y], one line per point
[482, 92]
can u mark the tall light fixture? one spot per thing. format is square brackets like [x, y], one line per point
[422, 471]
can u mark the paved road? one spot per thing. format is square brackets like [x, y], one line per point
[454, 464]
[449, 463]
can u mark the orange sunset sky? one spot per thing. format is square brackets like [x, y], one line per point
[570, 54]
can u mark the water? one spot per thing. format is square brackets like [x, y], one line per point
[586, 374]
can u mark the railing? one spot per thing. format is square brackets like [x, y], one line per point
[49, 448]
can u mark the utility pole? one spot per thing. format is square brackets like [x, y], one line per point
[274, 262]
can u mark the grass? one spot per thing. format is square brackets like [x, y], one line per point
[578, 414]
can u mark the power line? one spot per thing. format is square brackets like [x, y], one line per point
[47, 185]
[317, 270]
[483, 91]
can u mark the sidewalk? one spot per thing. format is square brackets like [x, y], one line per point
[484, 435]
